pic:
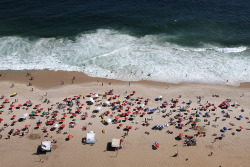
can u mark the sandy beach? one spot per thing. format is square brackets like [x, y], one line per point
[42, 86]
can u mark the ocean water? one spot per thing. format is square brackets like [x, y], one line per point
[161, 40]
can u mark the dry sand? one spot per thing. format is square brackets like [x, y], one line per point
[233, 150]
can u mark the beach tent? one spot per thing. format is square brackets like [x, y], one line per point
[46, 146]
[116, 143]
[90, 137]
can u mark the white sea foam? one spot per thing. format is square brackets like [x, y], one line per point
[112, 54]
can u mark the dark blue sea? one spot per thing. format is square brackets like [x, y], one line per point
[172, 40]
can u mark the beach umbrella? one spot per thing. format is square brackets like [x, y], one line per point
[241, 127]
[130, 127]
[74, 120]
[180, 119]
[62, 119]
[122, 140]
[14, 116]
[222, 135]
[184, 108]
[121, 125]
[134, 115]
[86, 116]
[20, 105]
[190, 101]
[179, 124]
[96, 95]
[224, 128]
[79, 110]
[200, 113]
[74, 114]
[195, 122]
[215, 107]
[55, 114]
[126, 118]
[188, 111]
[24, 115]
[98, 108]
[38, 125]
[198, 120]
[33, 112]
[70, 136]
[117, 117]
[1, 120]
[157, 145]
[65, 115]
[26, 126]
[182, 125]
[47, 128]
[6, 100]
[134, 92]
[182, 134]
[69, 98]
[82, 105]
[56, 125]
[54, 121]
[241, 116]
[159, 97]
[12, 106]
[63, 125]
[44, 113]
[2, 105]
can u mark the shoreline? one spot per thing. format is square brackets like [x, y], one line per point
[45, 79]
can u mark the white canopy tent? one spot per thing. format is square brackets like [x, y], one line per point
[46, 146]
[90, 137]
[116, 143]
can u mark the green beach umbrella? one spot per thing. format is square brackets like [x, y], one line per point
[44, 113]
[33, 112]
[74, 120]
[134, 115]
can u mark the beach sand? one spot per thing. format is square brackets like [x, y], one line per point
[232, 150]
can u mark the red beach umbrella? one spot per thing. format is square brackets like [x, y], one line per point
[126, 118]
[122, 140]
[12, 106]
[14, 116]
[121, 125]
[241, 127]
[26, 126]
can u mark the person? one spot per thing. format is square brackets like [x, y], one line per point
[12, 86]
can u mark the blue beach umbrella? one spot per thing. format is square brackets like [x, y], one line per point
[200, 113]
[184, 108]
[115, 107]
[222, 130]
[225, 128]
[207, 113]
[241, 116]
[179, 124]
[190, 101]
[222, 135]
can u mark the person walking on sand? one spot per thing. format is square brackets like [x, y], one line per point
[73, 79]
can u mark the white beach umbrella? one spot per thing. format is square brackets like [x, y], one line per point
[159, 97]
[56, 125]
[109, 120]
[98, 108]
[24, 115]
[96, 95]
